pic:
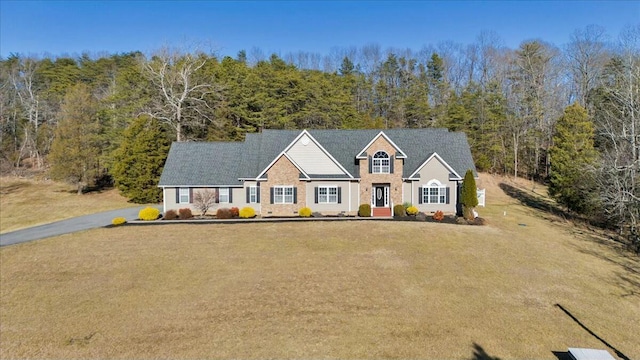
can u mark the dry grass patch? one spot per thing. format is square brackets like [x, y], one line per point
[26, 202]
[316, 290]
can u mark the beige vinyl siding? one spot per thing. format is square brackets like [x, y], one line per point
[434, 169]
[255, 206]
[407, 194]
[238, 197]
[311, 158]
[348, 196]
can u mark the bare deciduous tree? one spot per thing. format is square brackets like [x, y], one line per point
[586, 55]
[203, 200]
[181, 98]
[617, 117]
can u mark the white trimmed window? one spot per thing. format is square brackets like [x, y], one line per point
[223, 195]
[434, 193]
[380, 163]
[327, 194]
[183, 197]
[253, 194]
[283, 194]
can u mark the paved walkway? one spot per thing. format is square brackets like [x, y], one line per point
[79, 223]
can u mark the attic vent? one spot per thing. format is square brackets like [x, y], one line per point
[304, 140]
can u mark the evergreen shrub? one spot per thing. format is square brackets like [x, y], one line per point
[149, 214]
[399, 210]
[185, 214]
[412, 210]
[118, 221]
[364, 210]
[170, 215]
[224, 213]
[247, 212]
[305, 212]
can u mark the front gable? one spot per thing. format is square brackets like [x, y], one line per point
[453, 175]
[308, 155]
[312, 158]
[379, 140]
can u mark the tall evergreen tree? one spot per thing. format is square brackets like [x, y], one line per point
[469, 194]
[75, 150]
[572, 154]
[139, 160]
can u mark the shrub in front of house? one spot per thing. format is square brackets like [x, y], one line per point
[412, 210]
[438, 215]
[235, 212]
[305, 212]
[399, 210]
[364, 210]
[149, 214]
[185, 214]
[170, 215]
[247, 212]
[118, 221]
[224, 213]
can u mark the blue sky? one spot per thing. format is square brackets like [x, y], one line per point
[73, 27]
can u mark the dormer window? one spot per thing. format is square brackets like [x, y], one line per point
[381, 163]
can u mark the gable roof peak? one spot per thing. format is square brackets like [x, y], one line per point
[363, 153]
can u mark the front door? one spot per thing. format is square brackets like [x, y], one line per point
[381, 196]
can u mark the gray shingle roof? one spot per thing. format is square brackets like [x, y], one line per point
[203, 163]
[220, 163]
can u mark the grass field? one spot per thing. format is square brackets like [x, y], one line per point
[368, 289]
[25, 202]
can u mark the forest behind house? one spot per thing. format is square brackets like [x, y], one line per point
[564, 114]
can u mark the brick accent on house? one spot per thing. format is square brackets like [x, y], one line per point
[282, 173]
[394, 180]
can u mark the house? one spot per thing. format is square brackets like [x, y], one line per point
[278, 172]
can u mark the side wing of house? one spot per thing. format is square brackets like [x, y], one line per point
[433, 186]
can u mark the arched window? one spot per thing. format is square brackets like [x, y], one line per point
[381, 163]
[434, 193]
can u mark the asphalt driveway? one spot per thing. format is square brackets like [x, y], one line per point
[80, 223]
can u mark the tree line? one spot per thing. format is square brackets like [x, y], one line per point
[568, 115]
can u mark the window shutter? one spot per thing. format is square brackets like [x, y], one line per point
[271, 194]
[391, 158]
[447, 192]
[247, 194]
[339, 195]
[258, 194]
[190, 195]
[315, 195]
[295, 195]
[370, 165]
[230, 190]
[420, 195]
[217, 195]
[177, 195]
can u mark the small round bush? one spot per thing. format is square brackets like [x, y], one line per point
[235, 212]
[224, 213]
[364, 210]
[185, 214]
[412, 210]
[170, 215]
[398, 210]
[305, 212]
[149, 214]
[247, 212]
[118, 221]
[438, 215]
